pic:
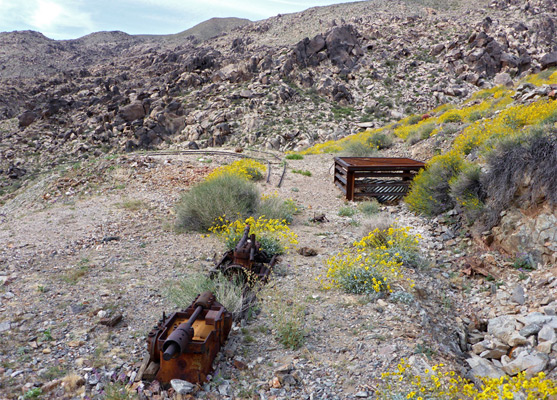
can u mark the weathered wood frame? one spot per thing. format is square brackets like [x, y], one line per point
[349, 172]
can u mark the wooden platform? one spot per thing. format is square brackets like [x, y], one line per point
[381, 177]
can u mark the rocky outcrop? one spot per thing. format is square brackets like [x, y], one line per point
[515, 343]
[529, 231]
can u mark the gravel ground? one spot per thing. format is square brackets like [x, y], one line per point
[96, 241]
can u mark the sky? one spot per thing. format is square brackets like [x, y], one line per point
[70, 19]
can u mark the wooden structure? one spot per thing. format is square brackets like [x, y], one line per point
[380, 177]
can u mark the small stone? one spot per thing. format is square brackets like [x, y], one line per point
[516, 339]
[361, 395]
[518, 295]
[530, 330]
[101, 314]
[181, 386]
[547, 334]
[47, 351]
[544, 347]
[4, 326]
[531, 363]
[275, 383]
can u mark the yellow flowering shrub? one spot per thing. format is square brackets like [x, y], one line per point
[436, 383]
[429, 192]
[547, 77]
[245, 168]
[373, 263]
[507, 123]
[274, 235]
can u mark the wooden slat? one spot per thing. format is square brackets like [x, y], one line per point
[340, 187]
[340, 178]
[390, 185]
[379, 194]
[379, 174]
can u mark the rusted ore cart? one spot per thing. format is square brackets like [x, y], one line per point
[384, 178]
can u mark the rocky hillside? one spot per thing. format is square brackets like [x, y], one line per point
[281, 83]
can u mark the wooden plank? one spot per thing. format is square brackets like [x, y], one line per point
[341, 187]
[381, 174]
[379, 194]
[370, 185]
[340, 178]
[350, 186]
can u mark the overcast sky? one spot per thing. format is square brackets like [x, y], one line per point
[70, 19]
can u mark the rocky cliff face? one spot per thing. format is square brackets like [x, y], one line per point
[282, 83]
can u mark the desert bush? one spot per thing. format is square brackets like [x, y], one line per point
[380, 222]
[530, 161]
[356, 148]
[380, 140]
[274, 235]
[288, 318]
[182, 291]
[467, 192]
[373, 264]
[273, 207]
[369, 207]
[294, 156]
[303, 172]
[226, 194]
[430, 190]
[346, 211]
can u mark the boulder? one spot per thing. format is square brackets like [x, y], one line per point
[502, 327]
[27, 118]
[532, 364]
[133, 111]
[549, 60]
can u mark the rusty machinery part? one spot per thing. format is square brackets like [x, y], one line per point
[184, 345]
[246, 260]
[183, 334]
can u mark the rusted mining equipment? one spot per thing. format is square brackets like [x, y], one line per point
[184, 345]
[247, 260]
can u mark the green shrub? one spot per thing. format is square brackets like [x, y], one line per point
[294, 156]
[288, 319]
[430, 190]
[477, 115]
[226, 194]
[302, 172]
[346, 211]
[380, 140]
[354, 148]
[273, 207]
[414, 119]
[182, 291]
[369, 207]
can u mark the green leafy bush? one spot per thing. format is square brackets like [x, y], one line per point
[226, 194]
[294, 156]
